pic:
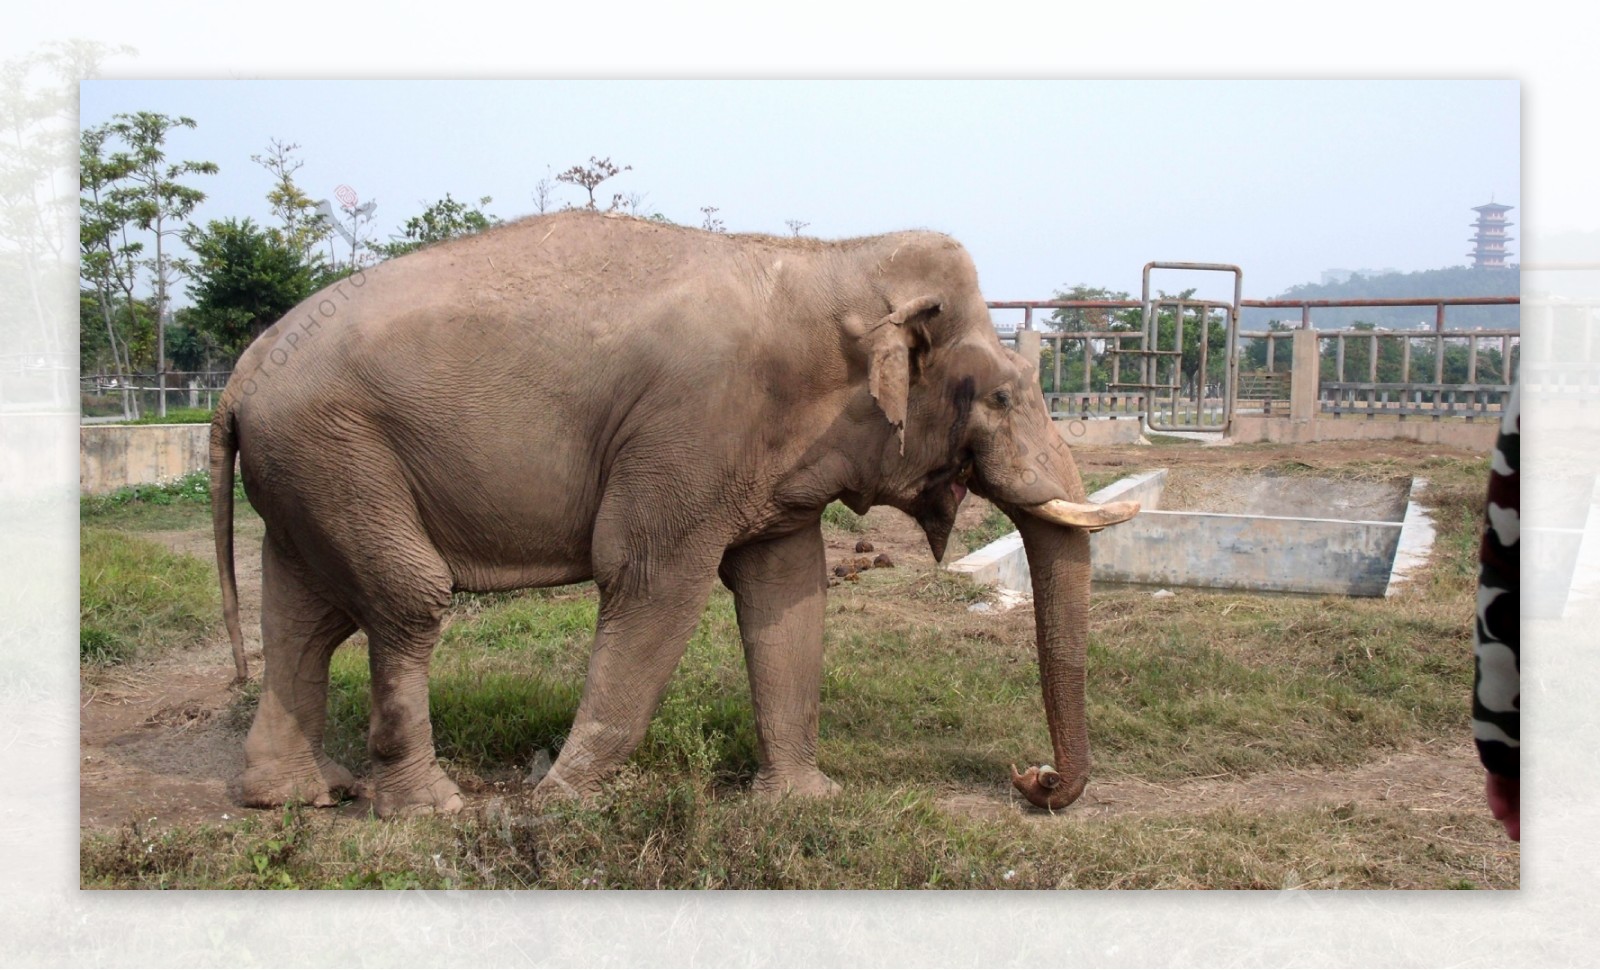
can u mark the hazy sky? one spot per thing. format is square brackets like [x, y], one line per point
[1047, 183]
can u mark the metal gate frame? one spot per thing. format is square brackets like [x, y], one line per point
[1151, 354]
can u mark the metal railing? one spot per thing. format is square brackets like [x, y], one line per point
[113, 397]
[1079, 369]
[1392, 384]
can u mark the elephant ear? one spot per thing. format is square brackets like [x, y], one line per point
[893, 340]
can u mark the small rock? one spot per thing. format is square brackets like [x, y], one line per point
[882, 560]
[863, 546]
[1162, 594]
[538, 766]
[842, 569]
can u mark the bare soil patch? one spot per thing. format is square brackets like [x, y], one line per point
[1436, 777]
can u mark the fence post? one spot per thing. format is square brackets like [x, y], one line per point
[1305, 375]
[1030, 346]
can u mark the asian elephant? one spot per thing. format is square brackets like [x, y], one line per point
[585, 396]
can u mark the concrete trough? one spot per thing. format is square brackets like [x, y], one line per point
[1350, 539]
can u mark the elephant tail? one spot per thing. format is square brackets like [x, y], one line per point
[224, 451]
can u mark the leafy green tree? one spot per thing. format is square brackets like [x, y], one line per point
[1254, 356]
[243, 279]
[1196, 321]
[108, 262]
[156, 201]
[304, 228]
[445, 219]
[1094, 319]
[191, 346]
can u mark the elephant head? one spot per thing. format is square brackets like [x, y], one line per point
[970, 415]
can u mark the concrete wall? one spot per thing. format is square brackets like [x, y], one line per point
[1248, 552]
[111, 456]
[1476, 436]
[1100, 431]
[1416, 541]
[1267, 553]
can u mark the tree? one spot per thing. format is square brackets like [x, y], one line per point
[1255, 352]
[711, 222]
[1092, 318]
[544, 193]
[1088, 319]
[106, 260]
[156, 202]
[304, 228]
[244, 280]
[1131, 320]
[589, 177]
[795, 225]
[445, 219]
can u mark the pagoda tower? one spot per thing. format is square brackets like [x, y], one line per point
[1489, 245]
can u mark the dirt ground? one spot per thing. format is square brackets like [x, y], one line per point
[157, 742]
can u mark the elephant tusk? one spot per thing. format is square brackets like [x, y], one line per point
[1081, 515]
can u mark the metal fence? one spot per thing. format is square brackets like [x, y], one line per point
[1435, 374]
[111, 397]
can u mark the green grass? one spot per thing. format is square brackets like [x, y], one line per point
[1172, 441]
[919, 698]
[994, 525]
[182, 503]
[136, 598]
[656, 833]
[838, 516]
[174, 416]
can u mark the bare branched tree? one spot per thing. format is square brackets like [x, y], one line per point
[795, 225]
[544, 192]
[712, 222]
[634, 203]
[588, 177]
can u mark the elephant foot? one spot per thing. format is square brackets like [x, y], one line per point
[556, 786]
[436, 794]
[804, 782]
[324, 783]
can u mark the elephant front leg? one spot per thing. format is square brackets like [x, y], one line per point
[647, 614]
[780, 592]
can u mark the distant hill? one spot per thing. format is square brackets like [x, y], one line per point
[1453, 281]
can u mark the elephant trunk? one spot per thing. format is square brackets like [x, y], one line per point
[1058, 559]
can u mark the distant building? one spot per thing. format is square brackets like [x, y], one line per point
[1489, 244]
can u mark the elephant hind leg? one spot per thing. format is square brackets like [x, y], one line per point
[407, 778]
[300, 629]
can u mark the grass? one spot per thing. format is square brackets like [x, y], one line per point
[136, 598]
[174, 416]
[920, 699]
[655, 833]
[838, 516]
[994, 525]
[180, 503]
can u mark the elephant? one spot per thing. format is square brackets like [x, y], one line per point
[591, 396]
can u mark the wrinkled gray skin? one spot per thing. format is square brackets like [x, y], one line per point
[589, 397]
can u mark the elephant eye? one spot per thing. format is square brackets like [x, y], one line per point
[1002, 398]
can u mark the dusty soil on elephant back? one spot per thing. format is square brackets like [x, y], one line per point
[161, 742]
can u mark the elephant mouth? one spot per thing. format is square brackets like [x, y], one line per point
[940, 498]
